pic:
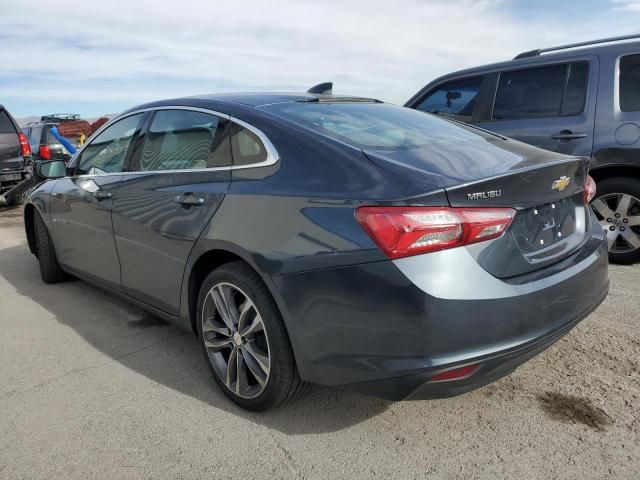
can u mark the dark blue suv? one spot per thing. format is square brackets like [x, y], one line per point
[580, 99]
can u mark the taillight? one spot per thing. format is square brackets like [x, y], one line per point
[44, 152]
[25, 148]
[404, 231]
[589, 189]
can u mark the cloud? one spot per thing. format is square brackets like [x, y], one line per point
[129, 52]
[627, 5]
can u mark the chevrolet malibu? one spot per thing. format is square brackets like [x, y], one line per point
[313, 238]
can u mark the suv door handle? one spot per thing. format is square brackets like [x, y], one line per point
[101, 194]
[568, 135]
[189, 200]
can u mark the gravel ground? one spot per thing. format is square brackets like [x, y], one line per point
[93, 387]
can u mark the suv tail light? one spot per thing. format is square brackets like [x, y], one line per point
[25, 148]
[404, 231]
[589, 190]
[44, 152]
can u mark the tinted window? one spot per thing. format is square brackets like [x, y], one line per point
[454, 99]
[246, 147]
[375, 125]
[106, 153]
[6, 126]
[182, 139]
[630, 83]
[34, 138]
[540, 92]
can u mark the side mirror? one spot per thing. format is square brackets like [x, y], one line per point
[52, 169]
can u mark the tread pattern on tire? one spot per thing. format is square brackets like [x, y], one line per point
[50, 270]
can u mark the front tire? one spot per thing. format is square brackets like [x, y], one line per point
[50, 270]
[617, 206]
[244, 340]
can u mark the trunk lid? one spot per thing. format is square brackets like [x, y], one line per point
[545, 188]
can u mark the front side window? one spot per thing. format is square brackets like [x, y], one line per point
[184, 140]
[107, 152]
[453, 99]
[630, 83]
[542, 92]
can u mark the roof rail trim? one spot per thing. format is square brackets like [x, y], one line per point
[535, 53]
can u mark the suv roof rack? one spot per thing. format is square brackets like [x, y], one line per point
[535, 53]
[60, 117]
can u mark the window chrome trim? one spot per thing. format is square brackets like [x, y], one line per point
[272, 154]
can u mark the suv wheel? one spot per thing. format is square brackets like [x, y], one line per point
[244, 339]
[617, 207]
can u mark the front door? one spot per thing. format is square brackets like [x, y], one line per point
[180, 174]
[81, 204]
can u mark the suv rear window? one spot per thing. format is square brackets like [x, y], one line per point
[6, 125]
[542, 92]
[455, 99]
[630, 83]
[375, 125]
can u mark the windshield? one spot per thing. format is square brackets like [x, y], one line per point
[379, 126]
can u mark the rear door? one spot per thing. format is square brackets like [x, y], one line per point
[81, 204]
[180, 174]
[551, 106]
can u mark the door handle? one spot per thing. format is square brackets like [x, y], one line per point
[567, 135]
[102, 195]
[189, 200]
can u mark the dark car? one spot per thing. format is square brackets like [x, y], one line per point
[580, 99]
[15, 154]
[44, 144]
[334, 240]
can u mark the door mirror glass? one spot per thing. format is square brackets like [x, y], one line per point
[53, 169]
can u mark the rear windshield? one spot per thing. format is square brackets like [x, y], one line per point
[6, 125]
[378, 126]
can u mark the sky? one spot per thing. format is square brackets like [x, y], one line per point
[95, 57]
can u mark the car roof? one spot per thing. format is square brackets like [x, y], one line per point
[600, 50]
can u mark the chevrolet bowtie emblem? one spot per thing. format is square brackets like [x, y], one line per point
[560, 184]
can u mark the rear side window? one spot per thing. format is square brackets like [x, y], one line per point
[630, 83]
[6, 125]
[453, 99]
[542, 92]
[246, 147]
[34, 138]
[184, 140]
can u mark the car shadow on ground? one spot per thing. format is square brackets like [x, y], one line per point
[167, 354]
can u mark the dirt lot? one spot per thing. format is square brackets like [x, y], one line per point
[92, 387]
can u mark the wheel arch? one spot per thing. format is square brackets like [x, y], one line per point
[615, 170]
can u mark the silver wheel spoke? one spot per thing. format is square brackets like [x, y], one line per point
[217, 344]
[232, 369]
[634, 221]
[261, 359]
[219, 298]
[601, 207]
[255, 369]
[209, 327]
[611, 237]
[245, 309]
[631, 237]
[242, 384]
[623, 205]
[256, 326]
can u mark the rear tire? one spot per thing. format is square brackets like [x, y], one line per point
[50, 270]
[261, 358]
[617, 206]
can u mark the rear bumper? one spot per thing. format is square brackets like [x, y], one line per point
[386, 328]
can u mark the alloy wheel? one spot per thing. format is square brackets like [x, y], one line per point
[619, 216]
[235, 340]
